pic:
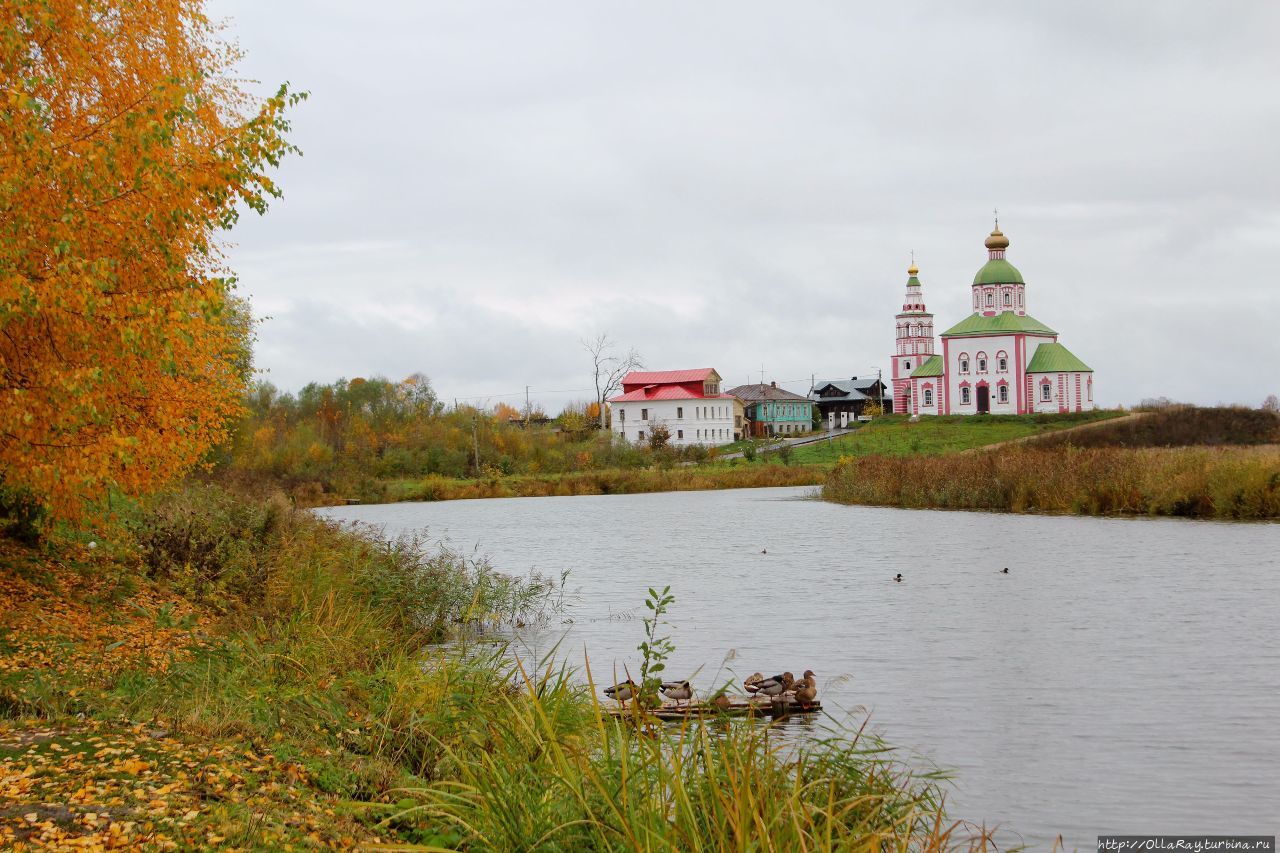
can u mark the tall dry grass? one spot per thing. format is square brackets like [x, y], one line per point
[1177, 426]
[1220, 482]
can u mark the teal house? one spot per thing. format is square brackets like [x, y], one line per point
[771, 410]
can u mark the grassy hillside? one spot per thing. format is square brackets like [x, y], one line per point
[895, 435]
[1204, 463]
[1179, 426]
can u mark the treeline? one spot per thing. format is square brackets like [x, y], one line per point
[345, 436]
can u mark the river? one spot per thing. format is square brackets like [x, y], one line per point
[1123, 677]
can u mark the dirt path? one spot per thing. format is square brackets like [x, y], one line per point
[1057, 432]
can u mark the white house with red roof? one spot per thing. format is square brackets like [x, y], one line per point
[688, 403]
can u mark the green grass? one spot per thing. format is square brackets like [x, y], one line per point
[895, 435]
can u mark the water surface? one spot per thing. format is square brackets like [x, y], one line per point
[1122, 678]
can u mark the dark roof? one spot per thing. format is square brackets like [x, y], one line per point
[855, 388]
[759, 393]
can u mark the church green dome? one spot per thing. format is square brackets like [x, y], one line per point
[998, 271]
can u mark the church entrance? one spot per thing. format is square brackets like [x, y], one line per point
[984, 399]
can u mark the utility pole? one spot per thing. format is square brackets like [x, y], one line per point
[527, 410]
[475, 440]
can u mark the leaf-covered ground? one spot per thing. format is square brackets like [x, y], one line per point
[75, 780]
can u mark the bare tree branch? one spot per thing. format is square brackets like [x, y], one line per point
[607, 368]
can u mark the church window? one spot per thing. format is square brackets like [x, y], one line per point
[1091, 390]
[1008, 299]
[1003, 364]
[1046, 392]
[1004, 393]
[908, 365]
[982, 365]
[964, 395]
[964, 364]
[1019, 298]
[991, 300]
[928, 396]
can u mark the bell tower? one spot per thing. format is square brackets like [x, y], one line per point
[914, 342]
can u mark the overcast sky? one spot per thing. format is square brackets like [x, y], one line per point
[739, 184]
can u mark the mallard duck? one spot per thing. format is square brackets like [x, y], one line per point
[680, 691]
[623, 691]
[806, 689]
[752, 684]
[1005, 570]
[898, 577]
[777, 685]
[722, 702]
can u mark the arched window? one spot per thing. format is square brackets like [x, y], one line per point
[1002, 362]
[964, 395]
[964, 362]
[1004, 393]
[991, 300]
[1008, 298]
[1046, 392]
[928, 396]
[907, 365]
[982, 363]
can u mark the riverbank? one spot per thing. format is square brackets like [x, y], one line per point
[1241, 483]
[783, 464]
[1182, 461]
[219, 672]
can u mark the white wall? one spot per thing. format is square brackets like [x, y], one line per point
[708, 422]
[990, 348]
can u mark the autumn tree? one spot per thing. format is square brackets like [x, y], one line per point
[608, 368]
[125, 147]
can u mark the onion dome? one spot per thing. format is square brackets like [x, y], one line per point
[913, 269]
[997, 240]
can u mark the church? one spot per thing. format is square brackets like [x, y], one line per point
[998, 360]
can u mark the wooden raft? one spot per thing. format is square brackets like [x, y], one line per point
[739, 706]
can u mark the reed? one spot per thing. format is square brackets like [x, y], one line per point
[1197, 482]
[324, 666]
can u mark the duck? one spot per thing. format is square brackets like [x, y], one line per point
[776, 686]
[765, 551]
[752, 684]
[806, 689]
[898, 577]
[1005, 570]
[623, 691]
[722, 702]
[681, 691]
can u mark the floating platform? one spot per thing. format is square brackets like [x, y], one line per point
[739, 706]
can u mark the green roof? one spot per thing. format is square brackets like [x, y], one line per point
[1055, 358]
[998, 272]
[913, 282]
[932, 366]
[1008, 321]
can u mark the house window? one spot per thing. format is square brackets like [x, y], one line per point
[622, 414]
[1003, 364]
[1046, 392]
[1004, 393]
[982, 365]
[679, 411]
[964, 395]
[641, 435]
[928, 396]
[679, 433]
[644, 414]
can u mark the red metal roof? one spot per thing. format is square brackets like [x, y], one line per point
[662, 377]
[664, 392]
